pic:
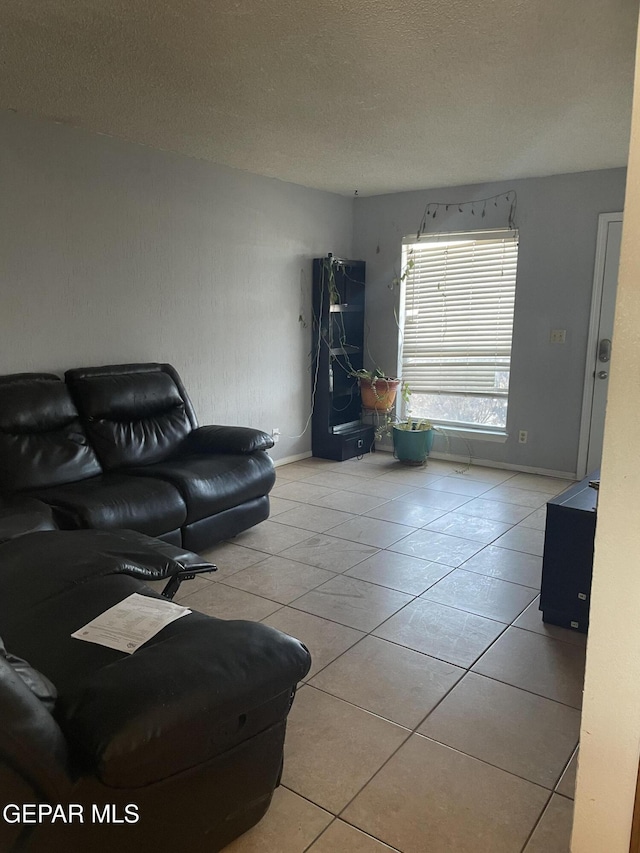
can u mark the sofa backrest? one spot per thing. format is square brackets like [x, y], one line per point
[134, 414]
[42, 441]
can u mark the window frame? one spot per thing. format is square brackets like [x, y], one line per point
[483, 431]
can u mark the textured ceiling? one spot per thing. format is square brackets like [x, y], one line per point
[373, 95]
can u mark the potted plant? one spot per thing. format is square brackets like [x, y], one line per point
[413, 440]
[379, 391]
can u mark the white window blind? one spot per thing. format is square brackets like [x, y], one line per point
[458, 313]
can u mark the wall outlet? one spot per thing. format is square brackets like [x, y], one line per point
[558, 336]
[523, 435]
[275, 434]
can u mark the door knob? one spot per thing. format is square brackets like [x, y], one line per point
[602, 374]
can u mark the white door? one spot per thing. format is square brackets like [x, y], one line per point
[600, 347]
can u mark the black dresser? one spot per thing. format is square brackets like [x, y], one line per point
[567, 561]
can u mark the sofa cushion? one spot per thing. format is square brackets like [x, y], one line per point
[132, 418]
[42, 442]
[213, 482]
[113, 501]
[20, 515]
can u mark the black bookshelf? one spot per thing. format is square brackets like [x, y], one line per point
[338, 348]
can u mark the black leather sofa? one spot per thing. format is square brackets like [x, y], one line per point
[119, 447]
[179, 744]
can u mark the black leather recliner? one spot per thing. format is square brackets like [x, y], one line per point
[119, 447]
[187, 732]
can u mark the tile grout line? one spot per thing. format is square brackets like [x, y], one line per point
[434, 657]
[401, 645]
[410, 732]
[536, 824]
[465, 670]
[414, 731]
[412, 598]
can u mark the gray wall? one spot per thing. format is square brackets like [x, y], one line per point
[112, 252]
[115, 252]
[557, 218]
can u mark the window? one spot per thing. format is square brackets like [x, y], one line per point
[457, 324]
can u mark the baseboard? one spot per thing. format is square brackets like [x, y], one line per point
[453, 457]
[506, 466]
[295, 458]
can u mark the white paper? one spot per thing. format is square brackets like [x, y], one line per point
[130, 623]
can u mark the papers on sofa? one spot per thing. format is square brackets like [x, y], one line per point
[129, 624]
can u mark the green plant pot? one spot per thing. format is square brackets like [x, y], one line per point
[412, 445]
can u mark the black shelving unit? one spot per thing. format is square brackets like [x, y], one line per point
[338, 347]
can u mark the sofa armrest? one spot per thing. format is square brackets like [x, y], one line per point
[228, 439]
[159, 557]
[32, 747]
[196, 690]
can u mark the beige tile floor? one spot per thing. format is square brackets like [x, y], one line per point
[440, 713]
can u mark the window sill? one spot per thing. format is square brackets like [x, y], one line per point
[474, 433]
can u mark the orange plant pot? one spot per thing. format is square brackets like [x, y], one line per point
[379, 394]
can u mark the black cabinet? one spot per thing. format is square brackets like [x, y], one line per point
[338, 351]
[568, 557]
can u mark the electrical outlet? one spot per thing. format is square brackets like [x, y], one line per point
[522, 436]
[558, 336]
[275, 434]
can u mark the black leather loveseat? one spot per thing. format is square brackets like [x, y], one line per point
[119, 447]
[176, 747]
